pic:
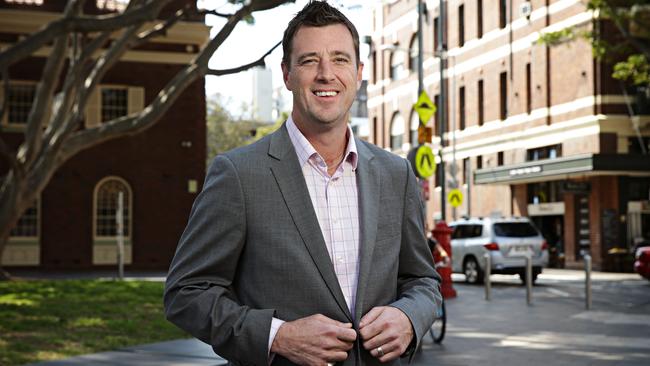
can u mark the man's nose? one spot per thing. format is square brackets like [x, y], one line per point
[325, 71]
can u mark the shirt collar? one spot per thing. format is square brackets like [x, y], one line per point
[305, 150]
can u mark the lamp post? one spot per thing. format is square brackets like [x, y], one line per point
[442, 110]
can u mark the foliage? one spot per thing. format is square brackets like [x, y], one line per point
[46, 320]
[226, 132]
[629, 50]
[268, 129]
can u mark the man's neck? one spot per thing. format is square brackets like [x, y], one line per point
[330, 143]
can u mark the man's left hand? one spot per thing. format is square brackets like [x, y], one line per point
[386, 327]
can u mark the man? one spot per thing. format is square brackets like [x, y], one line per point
[308, 246]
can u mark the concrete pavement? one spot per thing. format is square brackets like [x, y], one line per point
[555, 330]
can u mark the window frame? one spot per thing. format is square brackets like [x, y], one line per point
[129, 221]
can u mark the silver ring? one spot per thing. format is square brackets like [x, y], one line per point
[380, 351]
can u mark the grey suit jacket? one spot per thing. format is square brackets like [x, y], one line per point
[253, 250]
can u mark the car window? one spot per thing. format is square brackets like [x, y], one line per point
[457, 233]
[515, 229]
[475, 231]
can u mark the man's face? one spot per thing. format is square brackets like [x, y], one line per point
[323, 75]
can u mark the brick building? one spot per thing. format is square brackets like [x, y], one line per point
[72, 224]
[533, 130]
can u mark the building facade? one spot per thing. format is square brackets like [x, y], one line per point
[531, 129]
[159, 171]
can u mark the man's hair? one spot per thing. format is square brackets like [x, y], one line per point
[316, 14]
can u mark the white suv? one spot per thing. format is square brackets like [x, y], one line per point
[508, 240]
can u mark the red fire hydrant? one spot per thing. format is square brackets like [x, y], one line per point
[442, 234]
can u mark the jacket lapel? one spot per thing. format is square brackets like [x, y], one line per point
[291, 181]
[368, 185]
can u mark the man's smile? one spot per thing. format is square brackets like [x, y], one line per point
[326, 93]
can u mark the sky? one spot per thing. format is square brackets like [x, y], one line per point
[248, 42]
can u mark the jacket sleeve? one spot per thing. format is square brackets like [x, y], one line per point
[198, 294]
[418, 282]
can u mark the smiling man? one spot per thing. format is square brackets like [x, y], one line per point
[308, 247]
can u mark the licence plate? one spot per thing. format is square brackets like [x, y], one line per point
[520, 251]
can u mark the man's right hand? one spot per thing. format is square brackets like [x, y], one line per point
[314, 340]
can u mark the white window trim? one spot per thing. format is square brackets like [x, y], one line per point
[135, 102]
[129, 192]
[5, 118]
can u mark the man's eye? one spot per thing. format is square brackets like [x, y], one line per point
[341, 60]
[309, 61]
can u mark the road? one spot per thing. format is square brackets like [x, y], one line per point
[555, 330]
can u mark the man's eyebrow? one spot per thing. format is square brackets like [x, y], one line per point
[342, 53]
[306, 55]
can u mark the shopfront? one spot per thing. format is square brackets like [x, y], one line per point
[595, 204]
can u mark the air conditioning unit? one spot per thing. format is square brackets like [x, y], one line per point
[525, 9]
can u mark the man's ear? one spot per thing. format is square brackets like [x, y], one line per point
[285, 75]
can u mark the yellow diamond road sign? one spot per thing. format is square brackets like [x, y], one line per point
[455, 197]
[425, 108]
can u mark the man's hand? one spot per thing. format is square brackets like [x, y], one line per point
[386, 327]
[314, 340]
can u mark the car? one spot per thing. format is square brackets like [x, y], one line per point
[642, 262]
[508, 241]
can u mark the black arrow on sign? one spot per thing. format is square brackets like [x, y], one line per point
[455, 198]
[424, 105]
[428, 159]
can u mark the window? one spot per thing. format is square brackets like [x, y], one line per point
[396, 132]
[115, 103]
[502, 13]
[415, 125]
[465, 168]
[500, 158]
[438, 173]
[461, 25]
[436, 32]
[479, 162]
[529, 90]
[543, 192]
[546, 152]
[481, 96]
[19, 102]
[479, 18]
[106, 196]
[27, 225]
[461, 107]
[375, 131]
[413, 54]
[397, 68]
[515, 229]
[503, 96]
[463, 231]
[375, 67]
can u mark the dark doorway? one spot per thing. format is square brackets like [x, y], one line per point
[552, 228]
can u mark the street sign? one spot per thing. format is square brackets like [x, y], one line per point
[424, 107]
[422, 161]
[455, 197]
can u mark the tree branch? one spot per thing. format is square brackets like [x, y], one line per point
[82, 24]
[160, 29]
[258, 62]
[617, 18]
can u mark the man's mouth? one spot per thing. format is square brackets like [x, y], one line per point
[321, 93]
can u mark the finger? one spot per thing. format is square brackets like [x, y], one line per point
[347, 335]
[370, 316]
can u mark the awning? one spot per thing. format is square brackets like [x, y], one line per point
[576, 166]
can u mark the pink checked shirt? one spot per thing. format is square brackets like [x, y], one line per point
[335, 201]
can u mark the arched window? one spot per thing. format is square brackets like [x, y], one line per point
[106, 204]
[396, 132]
[397, 67]
[105, 229]
[413, 131]
[413, 54]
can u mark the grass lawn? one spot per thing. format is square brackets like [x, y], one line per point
[53, 319]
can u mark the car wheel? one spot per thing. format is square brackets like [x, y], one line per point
[472, 271]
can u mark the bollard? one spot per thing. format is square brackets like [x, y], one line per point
[529, 279]
[488, 272]
[587, 258]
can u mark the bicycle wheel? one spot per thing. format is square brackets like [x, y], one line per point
[439, 326]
